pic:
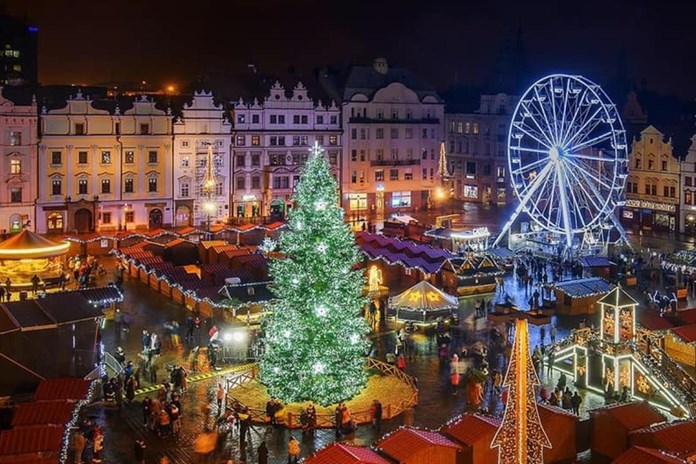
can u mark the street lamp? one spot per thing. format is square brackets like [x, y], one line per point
[209, 208]
[208, 187]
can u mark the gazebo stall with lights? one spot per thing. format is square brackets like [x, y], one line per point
[423, 304]
[27, 254]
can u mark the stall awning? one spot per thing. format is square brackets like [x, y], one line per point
[57, 412]
[584, 287]
[73, 389]
[28, 245]
[424, 296]
[25, 440]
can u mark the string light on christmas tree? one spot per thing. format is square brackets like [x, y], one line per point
[318, 296]
[521, 437]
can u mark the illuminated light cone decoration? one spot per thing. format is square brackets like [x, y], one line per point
[521, 437]
[314, 335]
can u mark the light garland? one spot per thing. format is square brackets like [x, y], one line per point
[65, 444]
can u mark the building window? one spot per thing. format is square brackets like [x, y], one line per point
[255, 182]
[274, 119]
[240, 140]
[152, 157]
[424, 153]
[320, 119]
[241, 160]
[144, 129]
[82, 187]
[688, 197]
[281, 182]
[394, 133]
[277, 159]
[363, 156]
[638, 163]
[379, 175]
[354, 155]
[408, 175]
[56, 158]
[255, 160]
[354, 177]
[130, 216]
[185, 161]
[664, 165]
[240, 118]
[486, 169]
[81, 157]
[15, 166]
[354, 134]
[672, 192]
[687, 181]
[16, 195]
[471, 167]
[152, 184]
[476, 128]
[379, 133]
[281, 119]
[106, 186]
[304, 119]
[15, 138]
[130, 157]
[56, 187]
[334, 120]
[500, 171]
[254, 118]
[379, 155]
[394, 154]
[128, 186]
[185, 189]
[651, 165]
[117, 128]
[274, 140]
[424, 134]
[79, 128]
[333, 140]
[106, 157]
[218, 189]
[357, 201]
[185, 143]
[408, 133]
[240, 182]
[256, 140]
[401, 199]
[393, 174]
[364, 134]
[333, 158]
[106, 218]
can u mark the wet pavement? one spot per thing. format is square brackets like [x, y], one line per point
[148, 309]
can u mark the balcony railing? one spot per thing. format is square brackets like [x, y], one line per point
[389, 162]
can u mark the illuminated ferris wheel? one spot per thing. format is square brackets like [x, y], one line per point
[567, 157]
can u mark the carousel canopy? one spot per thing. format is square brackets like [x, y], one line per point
[28, 245]
[424, 296]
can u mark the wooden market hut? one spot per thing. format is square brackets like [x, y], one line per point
[472, 274]
[611, 425]
[475, 432]
[677, 438]
[680, 344]
[422, 303]
[580, 297]
[342, 453]
[598, 266]
[560, 426]
[206, 249]
[414, 446]
[642, 455]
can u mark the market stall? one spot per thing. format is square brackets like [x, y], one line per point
[422, 303]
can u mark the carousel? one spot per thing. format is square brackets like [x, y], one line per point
[26, 255]
[423, 304]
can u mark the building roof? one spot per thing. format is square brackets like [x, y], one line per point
[469, 428]
[27, 245]
[367, 80]
[36, 439]
[340, 453]
[678, 438]
[28, 315]
[688, 316]
[424, 296]
[69, 307]
[653, 321]
[31, 460]
[62, 389]
[406, 442]
[618, 297]
[641, 455]
[686, 332]
[57, 412]
[584, 287]
[595, 261]
[546, 412]
[632, 416]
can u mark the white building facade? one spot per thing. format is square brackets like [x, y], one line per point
[271, 144]
[18, 165]
[103, 169]
[687, 187]
[203, 123]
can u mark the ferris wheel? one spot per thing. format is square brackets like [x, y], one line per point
[567, 157]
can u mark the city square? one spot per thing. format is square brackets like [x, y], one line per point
[344, 256]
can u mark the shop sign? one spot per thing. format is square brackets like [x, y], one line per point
[248, 197]
[651, 205]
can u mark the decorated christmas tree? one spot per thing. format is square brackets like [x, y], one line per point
[314, 334]
[521, 437]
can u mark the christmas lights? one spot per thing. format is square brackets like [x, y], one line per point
[314, 335]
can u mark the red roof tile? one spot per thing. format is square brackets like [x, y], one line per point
[31, 460]
[687, 316]
[43, 413]
[677, 437]
[640, 455]
[632, 416]
[339, 453]
[406, 442]
[62, 389]
[547, 411]
[653, 321]
[24, 440]
[687, 333]
[469, 428]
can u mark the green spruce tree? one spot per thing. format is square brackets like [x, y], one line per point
[315, 336]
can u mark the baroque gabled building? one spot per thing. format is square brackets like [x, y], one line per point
[652, 185]
[687, 188]
[18, 163]
[203, 123]
[104, 165]
[271, 144]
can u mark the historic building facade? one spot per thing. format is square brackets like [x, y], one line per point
[104, 167]
[652, 185]
[18, 164]
[271, 144]
[687, 206]
[393, 127]
[476, 144]
[203, 123]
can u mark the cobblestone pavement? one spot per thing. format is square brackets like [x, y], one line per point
[148, 309]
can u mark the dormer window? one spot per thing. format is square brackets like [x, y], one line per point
[79, 128]
[144, 129]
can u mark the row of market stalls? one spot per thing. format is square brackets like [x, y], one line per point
[203, 276]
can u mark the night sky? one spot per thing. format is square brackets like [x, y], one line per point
[92, 41]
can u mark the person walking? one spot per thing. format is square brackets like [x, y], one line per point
[153, 372]
[262, 452]
[139, 451]
[293, 450]
[377, 415]
[575, 402]
[130, 388]
[542, 334]
[78, 446]
[553, 334]
[220, 395]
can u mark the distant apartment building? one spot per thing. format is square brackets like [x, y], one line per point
[18, 52]
[687, 203]
[202, 123]
[104, 165]
[271, 144]
[477, 150]
[393, 127]
[652, 185]
[18, 166]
